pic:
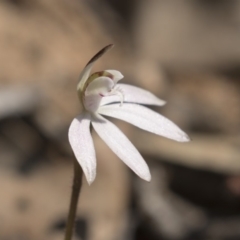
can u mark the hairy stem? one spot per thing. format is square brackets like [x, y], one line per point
[77, 183]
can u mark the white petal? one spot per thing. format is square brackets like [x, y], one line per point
[121, 146]
[82, 145]
[91, 102]
[134, 95]
[116, 75]
[145, 119]
[95, 91]
[100, 85]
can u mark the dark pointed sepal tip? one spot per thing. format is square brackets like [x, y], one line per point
[100, 53]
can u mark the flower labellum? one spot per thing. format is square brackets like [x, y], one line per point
[100, 94]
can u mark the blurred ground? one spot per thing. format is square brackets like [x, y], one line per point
[187, 53]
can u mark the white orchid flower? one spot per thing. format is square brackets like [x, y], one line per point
[100, 94]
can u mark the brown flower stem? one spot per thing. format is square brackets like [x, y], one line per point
[76, 188]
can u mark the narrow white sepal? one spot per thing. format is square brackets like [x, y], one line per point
[121, 146]
[82, 145]
[86, 71]
[134, 94]
[145, 119]
[84, 76]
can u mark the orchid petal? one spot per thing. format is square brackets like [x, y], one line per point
[86, 71]
[145, 119]
[98, 88]
[121, 146]
[100, 85]
[116, 75]
[134, 94]
[91, 102]
[82, 145]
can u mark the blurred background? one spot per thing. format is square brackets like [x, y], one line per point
[186, 52]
